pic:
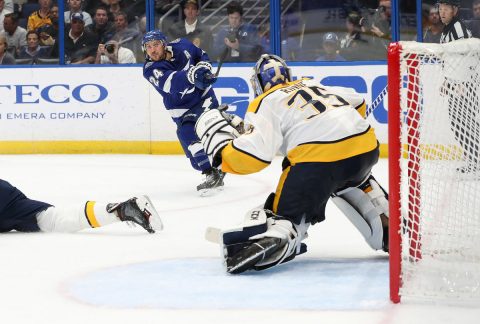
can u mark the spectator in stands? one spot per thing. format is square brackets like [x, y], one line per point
[112, 53]
[40, 17]
[75, 6]
[379, 28]
[476, 9]
[80, 45]
[353, 46]
[127, 37]
[113, 8]
[238, 38]
[191, 28]
[381, 19]
[3, 11]
[33, 48]
[47, 35]
[54, 19]
[434, 28]
[102, 27]
[475, 22]
[16, 36]
[330, 47]
[5, 57]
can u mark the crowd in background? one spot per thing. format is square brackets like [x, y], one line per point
[110, 31]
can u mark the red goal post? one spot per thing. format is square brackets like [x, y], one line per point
[434, 173]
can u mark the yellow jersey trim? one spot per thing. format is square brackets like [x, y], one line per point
[90, 214]
[362, 109]
[239, 162]
[278, 192]
[255, 104]
[334, 151]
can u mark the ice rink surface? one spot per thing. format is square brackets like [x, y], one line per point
[118, 274]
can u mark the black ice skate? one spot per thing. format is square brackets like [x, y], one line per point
[213, 182]
[138, 211]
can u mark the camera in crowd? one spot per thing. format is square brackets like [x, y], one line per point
[232, 35]
[110, 48]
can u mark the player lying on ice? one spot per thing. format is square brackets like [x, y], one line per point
[17, 212]
[329, 151]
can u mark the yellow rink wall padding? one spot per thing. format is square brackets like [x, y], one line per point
[103, 147]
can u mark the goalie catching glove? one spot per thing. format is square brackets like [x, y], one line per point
[260, 242]
[215, 129]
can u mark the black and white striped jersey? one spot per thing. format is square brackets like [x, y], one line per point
[456, 29]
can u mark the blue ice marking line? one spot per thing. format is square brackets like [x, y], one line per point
[303, 284]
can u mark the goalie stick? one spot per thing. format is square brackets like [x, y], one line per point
[212, 234]
[377, 101]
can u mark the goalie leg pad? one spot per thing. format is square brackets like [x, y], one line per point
[366, 206]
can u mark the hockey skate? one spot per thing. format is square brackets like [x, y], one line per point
[138, 211]
[213, 182]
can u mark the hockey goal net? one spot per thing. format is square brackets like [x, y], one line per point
[434, 171]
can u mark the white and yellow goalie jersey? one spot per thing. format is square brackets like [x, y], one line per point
[304, 121]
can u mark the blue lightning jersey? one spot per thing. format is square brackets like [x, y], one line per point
[169, 77]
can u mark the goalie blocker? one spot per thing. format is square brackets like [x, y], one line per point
[215, 129]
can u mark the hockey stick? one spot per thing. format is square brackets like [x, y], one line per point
[221, 59]
[377, 101]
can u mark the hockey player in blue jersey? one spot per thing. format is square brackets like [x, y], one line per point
[19, 213]
[182, 74]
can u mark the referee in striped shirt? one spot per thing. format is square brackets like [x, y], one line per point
[454, 28]
[463, 101]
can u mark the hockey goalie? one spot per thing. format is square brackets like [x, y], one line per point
[329, 150]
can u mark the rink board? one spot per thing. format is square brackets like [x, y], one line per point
[113, 109]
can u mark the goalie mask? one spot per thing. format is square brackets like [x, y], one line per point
[151, 36]
[269, 71]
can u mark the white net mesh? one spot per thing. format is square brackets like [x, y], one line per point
[440, 171]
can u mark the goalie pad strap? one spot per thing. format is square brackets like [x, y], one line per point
[254, 223]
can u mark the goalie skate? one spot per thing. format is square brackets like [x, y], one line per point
[213, 182]
[138, 211]
[251, 254]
